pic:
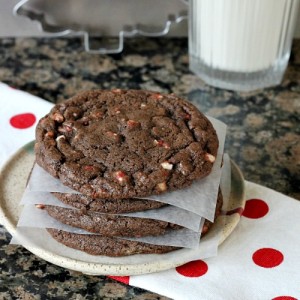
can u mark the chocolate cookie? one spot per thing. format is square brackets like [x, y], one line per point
[99, 245]
[114, 225]
[112, 206]
[109, 246]
[122, 144]
[107, 224]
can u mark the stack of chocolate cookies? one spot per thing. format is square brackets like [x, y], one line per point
[116, 148]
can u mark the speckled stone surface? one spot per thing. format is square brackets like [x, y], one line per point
[263, 134]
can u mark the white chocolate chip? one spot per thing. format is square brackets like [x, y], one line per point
[167, 165]
[121, 176]
[210, 157]
[162, 186]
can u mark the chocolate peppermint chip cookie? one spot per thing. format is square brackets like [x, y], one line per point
[99, 245]
[108, 224]
[122, 144]
[112, 206]
[115, 225]
[109, 246]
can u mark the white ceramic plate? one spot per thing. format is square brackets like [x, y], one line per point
[13, 179]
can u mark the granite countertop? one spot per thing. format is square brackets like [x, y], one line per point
[263, 133]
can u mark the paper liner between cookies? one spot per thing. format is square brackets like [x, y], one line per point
[171, 214]
[206, 248]
[198, 199]
[34, 217]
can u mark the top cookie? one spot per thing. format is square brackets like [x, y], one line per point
[125, 143]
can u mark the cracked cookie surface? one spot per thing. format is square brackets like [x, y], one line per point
[125, 143]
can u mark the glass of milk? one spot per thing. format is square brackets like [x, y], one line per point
[241, 44]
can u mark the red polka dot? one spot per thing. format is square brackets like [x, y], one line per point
[123, 279]
[284, 298]
[194, 268]
[267, 257]
[22, 121]
[255, 209]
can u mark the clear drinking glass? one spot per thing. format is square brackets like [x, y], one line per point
[241, 44]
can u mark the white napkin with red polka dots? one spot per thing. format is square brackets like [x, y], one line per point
[259, 260]
[20, 112]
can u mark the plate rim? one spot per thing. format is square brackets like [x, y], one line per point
[91, 268]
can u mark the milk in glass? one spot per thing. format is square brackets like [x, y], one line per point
[241, 44]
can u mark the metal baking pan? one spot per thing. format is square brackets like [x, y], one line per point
[104, 18]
